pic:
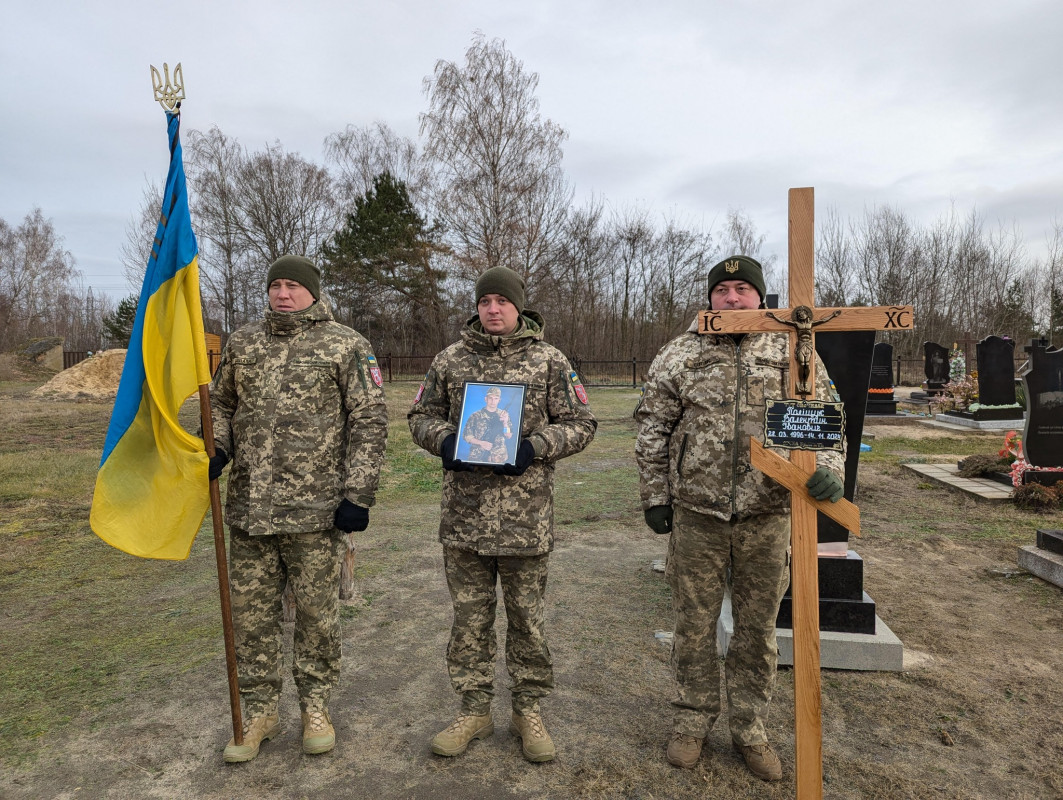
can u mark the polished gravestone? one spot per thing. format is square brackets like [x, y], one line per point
[843, 605]
[1042, 445]
[996, 379]
[935, 367]
[1042, 438]
[996, 408]
[880, 398]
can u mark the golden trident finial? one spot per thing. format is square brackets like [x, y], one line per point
[168, 95]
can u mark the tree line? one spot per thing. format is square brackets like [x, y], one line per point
[402, 227]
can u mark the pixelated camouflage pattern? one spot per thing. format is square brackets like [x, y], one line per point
[305, 425]
[487, 427]
[259, 569]
[503, 515]
[700, 549]
[473, 644]
[704, 394]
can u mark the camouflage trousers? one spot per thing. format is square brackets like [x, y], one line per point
[473, 644]
[700, 550]
[259, 569]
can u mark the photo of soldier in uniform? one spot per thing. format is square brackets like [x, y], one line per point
[486, 434]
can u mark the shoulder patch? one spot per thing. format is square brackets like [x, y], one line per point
[374, 369]
[420, 390]
[581, 393]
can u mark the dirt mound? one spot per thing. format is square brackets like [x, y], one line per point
[95, 378]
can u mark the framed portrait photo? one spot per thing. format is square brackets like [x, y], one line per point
[490, 423]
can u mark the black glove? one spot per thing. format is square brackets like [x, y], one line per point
[824, 485]
[351, 518]
[659, 518]
[525, 456]
[217, 463]
[447, 453]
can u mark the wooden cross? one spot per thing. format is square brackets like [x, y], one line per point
[799, 323]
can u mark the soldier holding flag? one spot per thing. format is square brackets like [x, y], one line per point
[297, 405]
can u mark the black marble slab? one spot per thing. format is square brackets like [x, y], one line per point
[847, 356]
[996, 371]
[935, 367]
[1042, 439]
[839, 616]
[1050, 540]
[840, 578]
[1043, 477]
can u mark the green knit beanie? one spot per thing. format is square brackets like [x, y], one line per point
[299, 269]
[738, 268]
[503, 281]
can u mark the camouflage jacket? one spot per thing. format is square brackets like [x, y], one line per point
[487, 427]
[297, 408]
[704, 397]
[503, 515]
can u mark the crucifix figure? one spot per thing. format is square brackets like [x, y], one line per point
[802, 322]
[794, 474]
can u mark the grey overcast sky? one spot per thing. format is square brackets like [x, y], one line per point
[680, 107]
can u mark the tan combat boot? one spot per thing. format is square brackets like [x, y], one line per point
[684, 751]
[256, 730]
[455, 739]
[318, 734]
[761, 760]
[535, 741]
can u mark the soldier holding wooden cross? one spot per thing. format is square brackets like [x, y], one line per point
[704, 398]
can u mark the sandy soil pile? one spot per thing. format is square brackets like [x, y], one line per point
[95, 378]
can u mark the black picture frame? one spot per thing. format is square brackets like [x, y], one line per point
[480, 423]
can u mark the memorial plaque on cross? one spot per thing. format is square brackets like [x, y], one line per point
[800, 322]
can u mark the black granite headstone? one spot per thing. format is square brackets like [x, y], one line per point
[1050, 540]
[1042, 438]
[996, 371]
[844, 606]
[880, 391]
[936, 367]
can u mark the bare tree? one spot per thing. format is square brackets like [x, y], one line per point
[249, 209]
[286, 205]
[501, 195]
[363, 154]
[834, 263]
[214, 162]
[741, 237]
[140, 235]
[578, 307]
[36, 271]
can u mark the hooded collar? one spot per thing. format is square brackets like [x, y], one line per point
[289, 323]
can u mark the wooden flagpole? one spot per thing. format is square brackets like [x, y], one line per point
[223, 572]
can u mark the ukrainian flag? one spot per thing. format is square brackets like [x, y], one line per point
[152, 488]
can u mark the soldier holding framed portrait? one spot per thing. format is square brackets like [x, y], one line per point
[496, 522]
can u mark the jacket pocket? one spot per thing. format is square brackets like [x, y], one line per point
[682, 452]
[767, 379]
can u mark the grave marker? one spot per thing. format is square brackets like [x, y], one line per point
[996, 372]
[1042, 438]
[803, 320]
[880, 391]
[935, 367]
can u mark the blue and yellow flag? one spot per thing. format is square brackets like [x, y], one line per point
[152, 489]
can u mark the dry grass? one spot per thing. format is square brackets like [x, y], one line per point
[112, 682]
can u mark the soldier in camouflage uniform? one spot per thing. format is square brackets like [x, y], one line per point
[704, 397]
[297, 402]
[496, 522]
